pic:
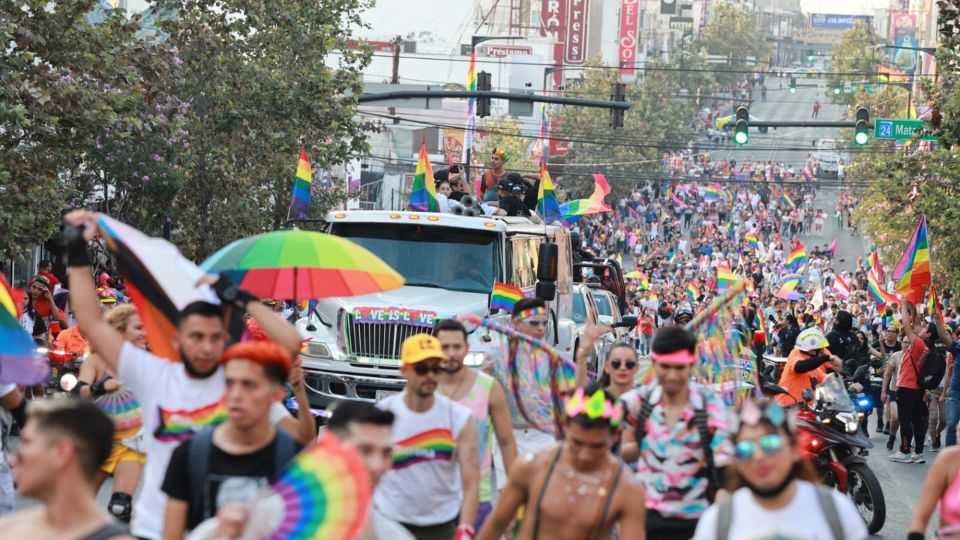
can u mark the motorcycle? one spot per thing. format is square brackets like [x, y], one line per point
[836, 447]
[64, 370]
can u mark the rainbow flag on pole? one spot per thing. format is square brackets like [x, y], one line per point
[934, 306]
[692, 292]
[725, 278]
[471, 106]
[301, 185]
[874, 261]
[913, 271]
[547, 205]
[423, 194]
[504, 297]
[752, 240]
[877, 292]
[712, 194]
[572, 211]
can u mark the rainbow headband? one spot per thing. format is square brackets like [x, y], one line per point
[680, 357]
[531, 313]
[597, 406]
[501, 154]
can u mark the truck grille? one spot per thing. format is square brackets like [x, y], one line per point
[377, 340]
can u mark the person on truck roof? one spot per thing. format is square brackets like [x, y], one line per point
[494, 175]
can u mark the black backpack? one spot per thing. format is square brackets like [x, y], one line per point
[932, 369]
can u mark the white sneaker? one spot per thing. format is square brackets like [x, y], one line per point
[900, 457]
[918, 458]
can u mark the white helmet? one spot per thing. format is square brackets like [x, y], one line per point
[811, 339]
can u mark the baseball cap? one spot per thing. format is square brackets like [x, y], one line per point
[420, 347]
[505, 185]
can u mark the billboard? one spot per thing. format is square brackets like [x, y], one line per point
[834, 21]
[903, 33]
[575, 42]
[629, 21]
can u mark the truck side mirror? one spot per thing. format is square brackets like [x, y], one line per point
[628, 321]
[549, 257]
[547, 290]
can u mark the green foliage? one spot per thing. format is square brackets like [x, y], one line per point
[735, 32]
[62, 82]
[657, 121]
[258, 85]
[947, 96]
[504, 133]
[856, 53]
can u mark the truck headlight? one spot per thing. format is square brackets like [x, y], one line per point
[320, 350]
[474, 359]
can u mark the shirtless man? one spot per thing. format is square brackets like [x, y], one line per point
[577, 490]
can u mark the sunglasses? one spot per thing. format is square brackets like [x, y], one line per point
[615, 364]
[535, 322]
[769, 444]
[423, 369]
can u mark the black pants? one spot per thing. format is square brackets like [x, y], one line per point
[663, 528]
[912, 412]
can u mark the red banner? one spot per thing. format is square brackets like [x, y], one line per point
[575, 42]
[629, 19]
[553, 13]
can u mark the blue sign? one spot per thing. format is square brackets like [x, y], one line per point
[884, 129]
[832, 21]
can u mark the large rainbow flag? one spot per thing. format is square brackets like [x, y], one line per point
[423, 194]
[301, 185]
[913, 271]
[547, 204]
[572, 211]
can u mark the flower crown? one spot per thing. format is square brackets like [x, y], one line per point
[752, 413]
[596, 406]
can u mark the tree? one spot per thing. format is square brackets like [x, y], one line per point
[946, 123]
[505, 133]
[259, 83]
[658, 120]
[735, 32]
[855, 57]
[63, 81]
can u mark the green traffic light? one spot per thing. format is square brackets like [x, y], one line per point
[836, 91]
[740, 137]
[793, 90]
[861, 138]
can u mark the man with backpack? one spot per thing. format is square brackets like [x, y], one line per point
[921, 369]
[231, 464]
[777, 495]
[678, 439]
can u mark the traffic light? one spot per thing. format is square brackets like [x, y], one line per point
[483, 85]
[860, 134]
[837, 90]
[618, 93]
[741, 125]
[793, 85]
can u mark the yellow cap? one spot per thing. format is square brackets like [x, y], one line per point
[420, 347]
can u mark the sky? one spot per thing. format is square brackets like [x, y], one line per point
[448, 20]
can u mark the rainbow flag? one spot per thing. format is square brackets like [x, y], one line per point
[423, 194]
[787, 200]
[797, 261]
[692, 293]
[547, 204]
[572, 211]
[833, 247]
[877, 292]
[301, 185]
[471, 106]
[653, 296]
[712, 194]
[731, 232]
[934, 305]
[504, 297]
[752, 240]
[913, 271]
[761, 326]
[788, 289]
[725, 278]
[808, 172]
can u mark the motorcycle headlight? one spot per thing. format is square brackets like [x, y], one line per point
[850, 421]
[320, 350]
[474, 359]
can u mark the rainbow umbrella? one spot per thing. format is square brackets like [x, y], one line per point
[633, 275]
[302, 265]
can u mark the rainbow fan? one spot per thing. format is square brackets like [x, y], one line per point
[122, 408]
[323, 494]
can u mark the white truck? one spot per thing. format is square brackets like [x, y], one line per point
[450, 264]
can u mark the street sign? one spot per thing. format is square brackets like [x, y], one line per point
[900, 130]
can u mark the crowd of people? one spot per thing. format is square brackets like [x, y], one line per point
[459, 454]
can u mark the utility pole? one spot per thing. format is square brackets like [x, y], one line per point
[395, 75]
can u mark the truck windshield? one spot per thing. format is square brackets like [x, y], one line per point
[453, 259]
[579, 315]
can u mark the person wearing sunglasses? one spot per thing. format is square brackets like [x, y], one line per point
[774, 488]
[433, 486]
[620, 369]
